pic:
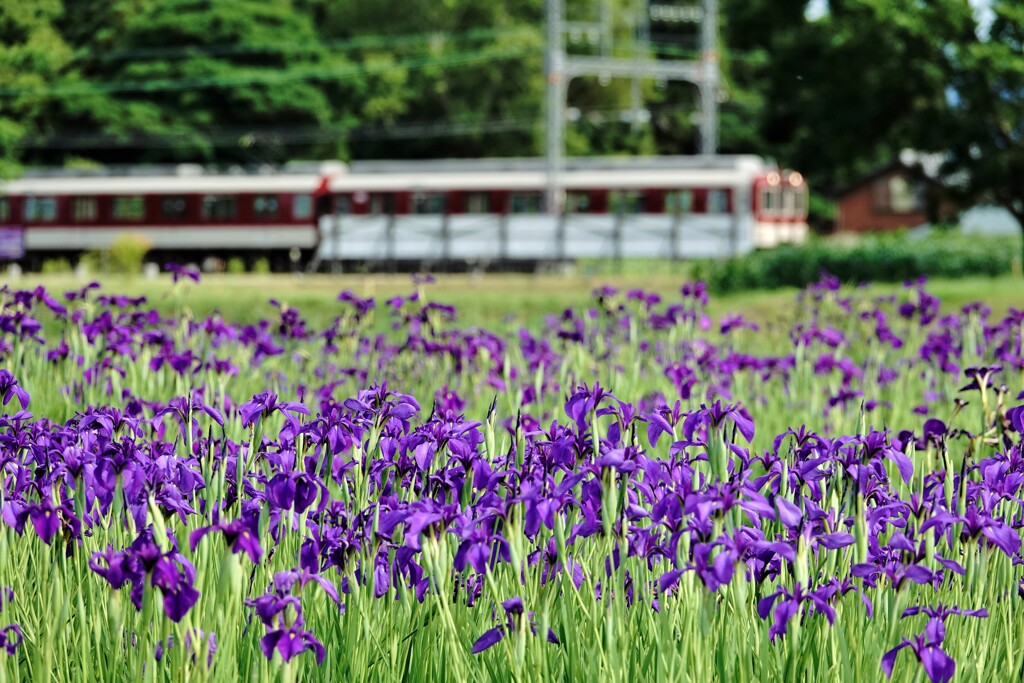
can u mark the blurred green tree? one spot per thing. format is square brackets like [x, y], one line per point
[194, 80]
[985, 129]
[32, 55]
[451, 78]
[845, 91]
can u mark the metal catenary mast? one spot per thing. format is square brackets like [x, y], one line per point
[562, 67]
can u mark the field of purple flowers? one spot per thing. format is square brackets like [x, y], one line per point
[634, 491]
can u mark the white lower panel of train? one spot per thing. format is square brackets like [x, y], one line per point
[768, 235]
[186, 237]
[533, 237]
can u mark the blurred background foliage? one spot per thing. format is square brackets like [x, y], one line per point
[831, 87]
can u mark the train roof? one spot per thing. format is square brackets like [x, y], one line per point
[603, 163]
[161, 184]
[437, 175]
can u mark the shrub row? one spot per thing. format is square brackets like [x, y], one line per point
[889, 258]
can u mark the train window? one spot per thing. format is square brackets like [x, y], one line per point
[173, 207]
[40, 209]
[343, 204]
[128, 208]
[382, 203]
[265, 206]
[769, 200]
[525, 202]
[679, 201]
[83, 209]
[220, 207]
[429, 203]
[302, 206]
[626, 201]
[478, 202]
[577, 202]
[800, 200]
[788, 202]
[718, 201]
[5, 210]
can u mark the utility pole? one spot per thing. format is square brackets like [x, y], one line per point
[708, 84]
[555, 114]
[561, 68]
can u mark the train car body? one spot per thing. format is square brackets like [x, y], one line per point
[472, 211]
[492, 210]
[181, 212]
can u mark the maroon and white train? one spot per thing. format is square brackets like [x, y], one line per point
[432, 211]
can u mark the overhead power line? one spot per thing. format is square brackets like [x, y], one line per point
[282, 136]
[301, 135]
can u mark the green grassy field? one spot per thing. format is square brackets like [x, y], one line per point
[492, 300]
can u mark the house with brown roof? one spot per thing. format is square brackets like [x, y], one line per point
[902, 194]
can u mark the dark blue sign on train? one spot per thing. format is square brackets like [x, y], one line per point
[12, 242]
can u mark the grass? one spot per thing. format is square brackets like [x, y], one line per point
[494, 301]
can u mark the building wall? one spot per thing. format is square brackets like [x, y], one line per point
[989, 220]
[859, 209]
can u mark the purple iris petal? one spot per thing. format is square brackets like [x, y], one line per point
[939, 666]
[513, 605]
[45, 521]
[490, 638]
[889, 658]
[837, 540]
[789, 514]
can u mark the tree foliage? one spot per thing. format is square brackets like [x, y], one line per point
[985, 128]
[197, 80]
[32, 54]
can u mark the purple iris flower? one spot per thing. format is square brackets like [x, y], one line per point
[45, 520]
[262, 405]
[791, 603]
[715, 416]
[934, 430]
[938, 665]
[981, 377]
[734, 322]
[285, 583]
[292, 489]
[9, 388]
[174, 578]
[240, 535]
[10, 638]
[180, 272]
[169, 571]
[290, 641]
[361, 306]
[942, 612]
[513, 614]
[1016, 418]
[281, 613]
[182, 406]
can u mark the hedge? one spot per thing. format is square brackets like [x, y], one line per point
[888, 258]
